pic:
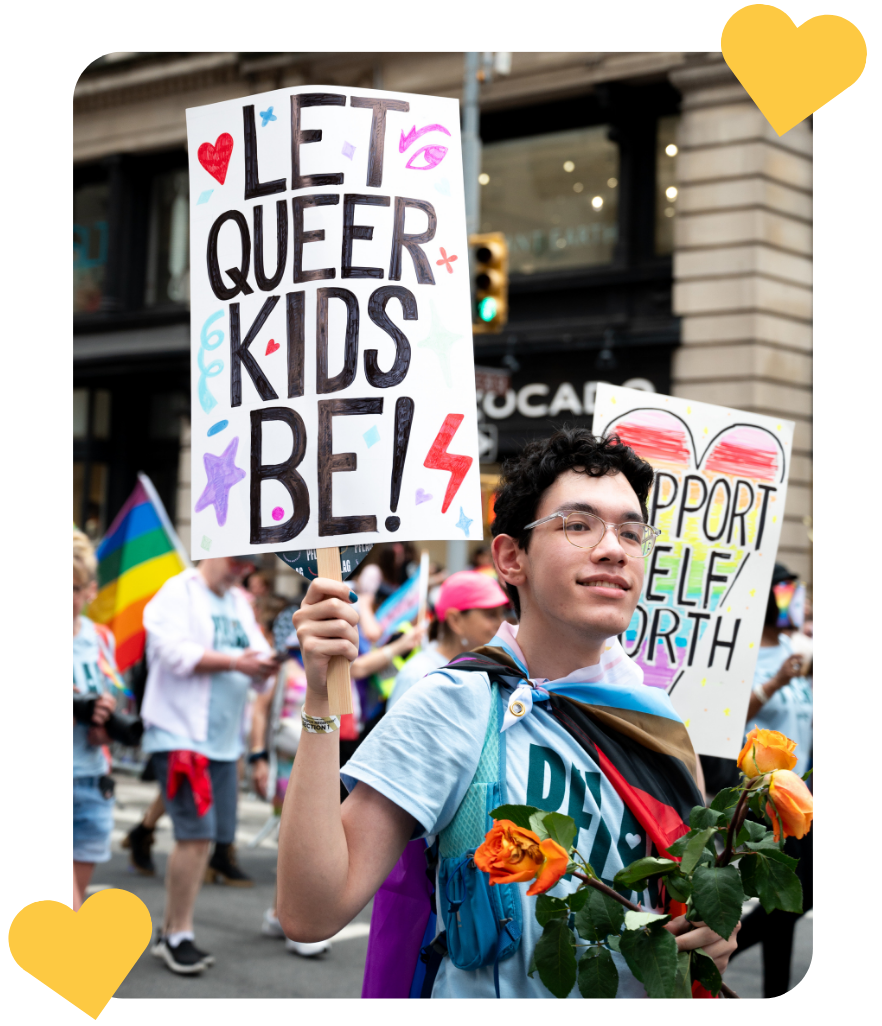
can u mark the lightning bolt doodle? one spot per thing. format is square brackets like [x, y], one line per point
[440, 459]
[407, 140]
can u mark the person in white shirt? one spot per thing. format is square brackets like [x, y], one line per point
[204, 650]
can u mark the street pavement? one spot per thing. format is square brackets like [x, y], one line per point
[228, 920]
[248, 964]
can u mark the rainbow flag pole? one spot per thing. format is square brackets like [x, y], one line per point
[139, 553]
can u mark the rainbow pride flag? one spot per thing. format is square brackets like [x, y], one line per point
[139, 553]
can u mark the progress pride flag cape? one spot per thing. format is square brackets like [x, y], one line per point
[628, 728]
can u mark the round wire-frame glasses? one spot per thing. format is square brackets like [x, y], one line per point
[585, 531]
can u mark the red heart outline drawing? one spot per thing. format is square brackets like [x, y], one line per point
[216, 159]
[272, 346]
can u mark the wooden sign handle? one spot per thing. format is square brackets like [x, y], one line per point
[339, 689]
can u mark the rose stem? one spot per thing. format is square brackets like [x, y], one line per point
[601, 886]
[737, 820]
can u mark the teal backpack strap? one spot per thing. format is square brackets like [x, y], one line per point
[472, 821]
[483, 923]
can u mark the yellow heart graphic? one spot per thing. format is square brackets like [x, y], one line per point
[83, 956]
[791, 72]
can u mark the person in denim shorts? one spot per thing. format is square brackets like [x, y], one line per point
[92, 787]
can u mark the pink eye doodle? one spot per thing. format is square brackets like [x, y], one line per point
[433, 157]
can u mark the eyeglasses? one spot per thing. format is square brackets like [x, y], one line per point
[585, 530]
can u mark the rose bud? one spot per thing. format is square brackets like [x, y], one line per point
[793, 803]
[511, 854]
[764, 751]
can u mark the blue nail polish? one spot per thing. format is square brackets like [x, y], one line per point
[353, 597]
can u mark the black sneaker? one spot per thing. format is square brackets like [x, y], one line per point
[222, 868]
[139, 841]
[185, 959]
[204, 955]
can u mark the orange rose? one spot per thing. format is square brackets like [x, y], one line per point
[793, 802]
[765, 751]
[511, 854]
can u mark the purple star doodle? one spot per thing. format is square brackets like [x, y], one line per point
[222, 474]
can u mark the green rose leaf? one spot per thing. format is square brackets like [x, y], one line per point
[679, 886]
[757, 831]
[749, 866]
[555, 958]
[769, 847]
[548, 908]
[678, 847]
[651, 953]
[641, 869]
[577, 899]
[701, 818]
[638, 920]
[704, 969]
[518, 814]
[606, 911]
[695, 850]
[726, 799]
[752, 832]
[614, 942]
[532, 968]
[598, 976]
[684, 982]
[537, 824]
[778, 856]
[766, 876]
[718, 897]
[599, 916]
[561, 829]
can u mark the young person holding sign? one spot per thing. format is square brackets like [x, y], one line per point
[580, 732]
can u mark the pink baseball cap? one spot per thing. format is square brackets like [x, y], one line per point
[469, 589]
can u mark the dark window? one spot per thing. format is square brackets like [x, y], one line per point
[90, 245]
[168, 251]
[91, 432]
[665, 184]
[555, 197]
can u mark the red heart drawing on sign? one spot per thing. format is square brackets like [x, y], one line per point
[271, 346]
[216, 159]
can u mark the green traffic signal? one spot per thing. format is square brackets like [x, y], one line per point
[487, 309]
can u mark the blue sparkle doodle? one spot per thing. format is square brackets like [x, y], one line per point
[206, 400]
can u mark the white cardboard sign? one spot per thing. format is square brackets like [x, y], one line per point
[718, 498]
[333, 389]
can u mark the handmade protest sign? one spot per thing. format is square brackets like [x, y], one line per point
[718, 499]
[333, 396]
[333, 390]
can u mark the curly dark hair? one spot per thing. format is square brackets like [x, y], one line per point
[526, 477]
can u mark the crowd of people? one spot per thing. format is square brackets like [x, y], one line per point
[235, 696]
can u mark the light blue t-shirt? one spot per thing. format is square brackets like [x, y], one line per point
[414, 670]
[88, 760]
[229, 692]
[423, 754]
[789, 710]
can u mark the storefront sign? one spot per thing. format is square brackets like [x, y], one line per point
[718, 498]
[333, 386]
[537, 399]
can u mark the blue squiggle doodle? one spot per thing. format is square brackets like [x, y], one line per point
[206, 400]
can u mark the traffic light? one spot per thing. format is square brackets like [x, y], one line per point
[488, 262]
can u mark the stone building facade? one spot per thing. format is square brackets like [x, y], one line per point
[690, 274]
